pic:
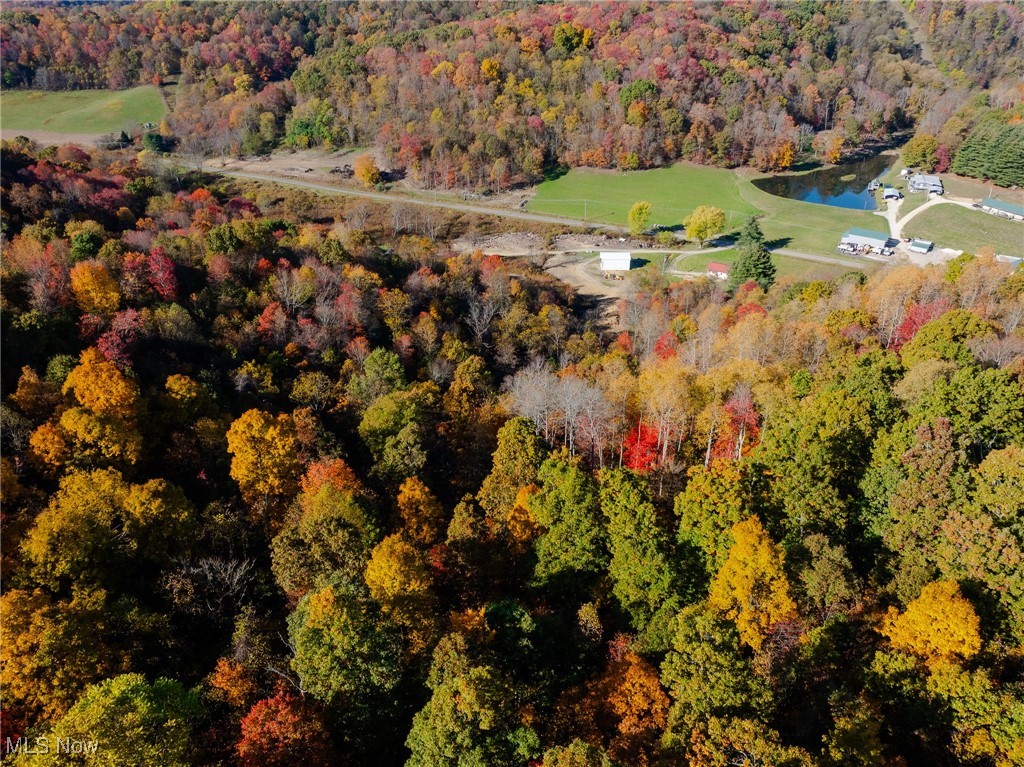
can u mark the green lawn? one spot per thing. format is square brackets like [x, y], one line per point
[606, 196]
[675, 191]
[950, 226]
[80, 111]
[785, 266]
[959, 186]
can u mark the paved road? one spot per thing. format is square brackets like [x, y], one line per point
[485, 210]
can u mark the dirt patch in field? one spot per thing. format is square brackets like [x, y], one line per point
[528, 243]
[308, 164]
[50, 138]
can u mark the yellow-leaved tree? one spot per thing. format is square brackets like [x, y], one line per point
[264, 451]
[939, 626]
[399, 580]
[100, 427]
[423, 516]
[95, 290]
[751, 588]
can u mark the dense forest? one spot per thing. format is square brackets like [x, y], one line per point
[488, 95]
[287, 481]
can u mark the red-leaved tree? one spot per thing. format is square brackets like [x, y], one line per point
[282, 731]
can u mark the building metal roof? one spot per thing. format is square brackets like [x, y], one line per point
[1006, 207]
[856, 231]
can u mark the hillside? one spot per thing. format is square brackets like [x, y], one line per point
[492, 95]
[285, 478]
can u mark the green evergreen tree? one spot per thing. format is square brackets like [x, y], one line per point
[754, 262]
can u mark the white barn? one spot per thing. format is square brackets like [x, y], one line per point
[615, 261]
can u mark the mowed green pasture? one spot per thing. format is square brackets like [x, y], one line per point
[606, 196]
[80, 111]
[950, 226]
[785, 266]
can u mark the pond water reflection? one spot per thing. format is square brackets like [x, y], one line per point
[844, 186]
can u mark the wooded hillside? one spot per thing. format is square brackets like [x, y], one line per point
[490, 95]
[285, 482]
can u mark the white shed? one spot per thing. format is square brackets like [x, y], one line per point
[615, 261]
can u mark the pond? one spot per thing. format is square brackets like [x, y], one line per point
[844, 186]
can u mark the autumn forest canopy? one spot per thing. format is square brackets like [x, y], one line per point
[487, 95]
[292, 480]
[287, 476]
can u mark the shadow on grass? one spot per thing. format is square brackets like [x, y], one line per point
[778, 242]
[555, 172]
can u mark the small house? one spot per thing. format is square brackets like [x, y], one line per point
[615, 261]
[920, 246]
[889, 193]
[922, 183]
[1003, 209]
[718, 270]
[857, 239]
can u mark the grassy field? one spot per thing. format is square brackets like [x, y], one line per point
[950, 226]
[675, 191]
[785, 266]
[80, 111]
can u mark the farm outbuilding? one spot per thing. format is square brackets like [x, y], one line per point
[920, 246]
[615, 261]
[718, 270]
[1003, 209]
[889, 193]
[857, 239]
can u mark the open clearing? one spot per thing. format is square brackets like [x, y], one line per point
[675, 191]
[79, 112]
[952, 226]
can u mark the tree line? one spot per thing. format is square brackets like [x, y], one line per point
[468, 97]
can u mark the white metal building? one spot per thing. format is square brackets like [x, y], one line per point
[615, 261]
[920, 246]
[1003, 209]
[858, 239]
